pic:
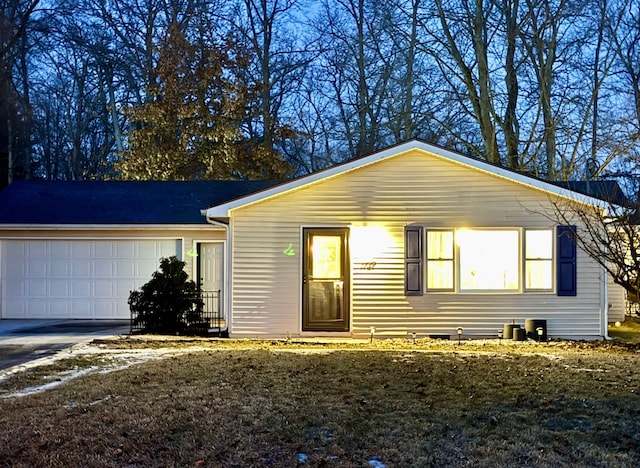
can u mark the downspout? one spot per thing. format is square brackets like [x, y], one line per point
[605, 305]
[226, 304]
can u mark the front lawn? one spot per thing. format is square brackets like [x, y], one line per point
[627, 332]
[288, 405]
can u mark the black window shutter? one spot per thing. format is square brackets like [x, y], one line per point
[413, 253]
[566, 253]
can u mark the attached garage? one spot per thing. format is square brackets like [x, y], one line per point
[76, 278]
[76, 249]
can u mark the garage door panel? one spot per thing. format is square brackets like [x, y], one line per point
[149, 250]
[126, 250]
[59, 250]
[76, 278]
[103, 289]
[60, 268]
[15, 288]
[59, 289]
[124, 288]
[35, 268]
[125, 268]
[81, 308]
[103, 249]
[60, 308]
[37, 288]
[36, 249]
[104, 309]
[80, 269]
[36, 309]
[103, 269]
[81, 249]
[80, 289]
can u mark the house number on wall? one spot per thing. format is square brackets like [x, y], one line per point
[367, 266]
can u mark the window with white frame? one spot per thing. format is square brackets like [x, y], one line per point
[490, 260]
[538, 259]
[440, 260]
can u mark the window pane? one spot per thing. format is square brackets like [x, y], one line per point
[440, 245]
[538, 244]
[489, 260]
[326, 259]
[440, 274]
[538, 274]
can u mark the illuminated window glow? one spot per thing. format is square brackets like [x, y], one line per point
[326, 256]
[440, 260]
[489, 260]
[538, 259]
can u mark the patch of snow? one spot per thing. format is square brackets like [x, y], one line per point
[50, 385]
[375, 463]
[120, 359]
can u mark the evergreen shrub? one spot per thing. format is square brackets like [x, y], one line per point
[169, 303]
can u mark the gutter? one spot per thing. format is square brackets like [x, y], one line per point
[225, 305]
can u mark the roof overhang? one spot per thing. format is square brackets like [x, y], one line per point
[105, 227]
[224, 210]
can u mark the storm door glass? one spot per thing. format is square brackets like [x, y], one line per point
[325, 283]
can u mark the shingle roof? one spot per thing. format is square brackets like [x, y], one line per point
[607, 190]
[116, 202]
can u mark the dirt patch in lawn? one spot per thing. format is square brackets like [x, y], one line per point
[281, 404]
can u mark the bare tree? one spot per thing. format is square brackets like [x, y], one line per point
[609, 232]
[623, 33]
[15, 108]
[358, 64]
[464, 26]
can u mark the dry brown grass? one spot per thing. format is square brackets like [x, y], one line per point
[430, 404]
[627, 332]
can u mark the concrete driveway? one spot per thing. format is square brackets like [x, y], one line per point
[24, 341]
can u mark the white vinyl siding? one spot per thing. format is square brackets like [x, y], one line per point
[617, 297]
[411, 188]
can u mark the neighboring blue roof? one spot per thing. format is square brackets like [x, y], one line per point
[117, 202]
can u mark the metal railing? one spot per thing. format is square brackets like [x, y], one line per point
[207, 319]
[212, 312]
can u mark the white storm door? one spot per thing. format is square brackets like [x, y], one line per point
[211, 258]
[211, 277]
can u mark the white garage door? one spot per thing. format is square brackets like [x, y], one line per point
[86, 279]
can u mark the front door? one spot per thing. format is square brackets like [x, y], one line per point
[325, 281]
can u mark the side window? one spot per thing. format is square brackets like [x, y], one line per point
[440, 260]
[538, 259]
